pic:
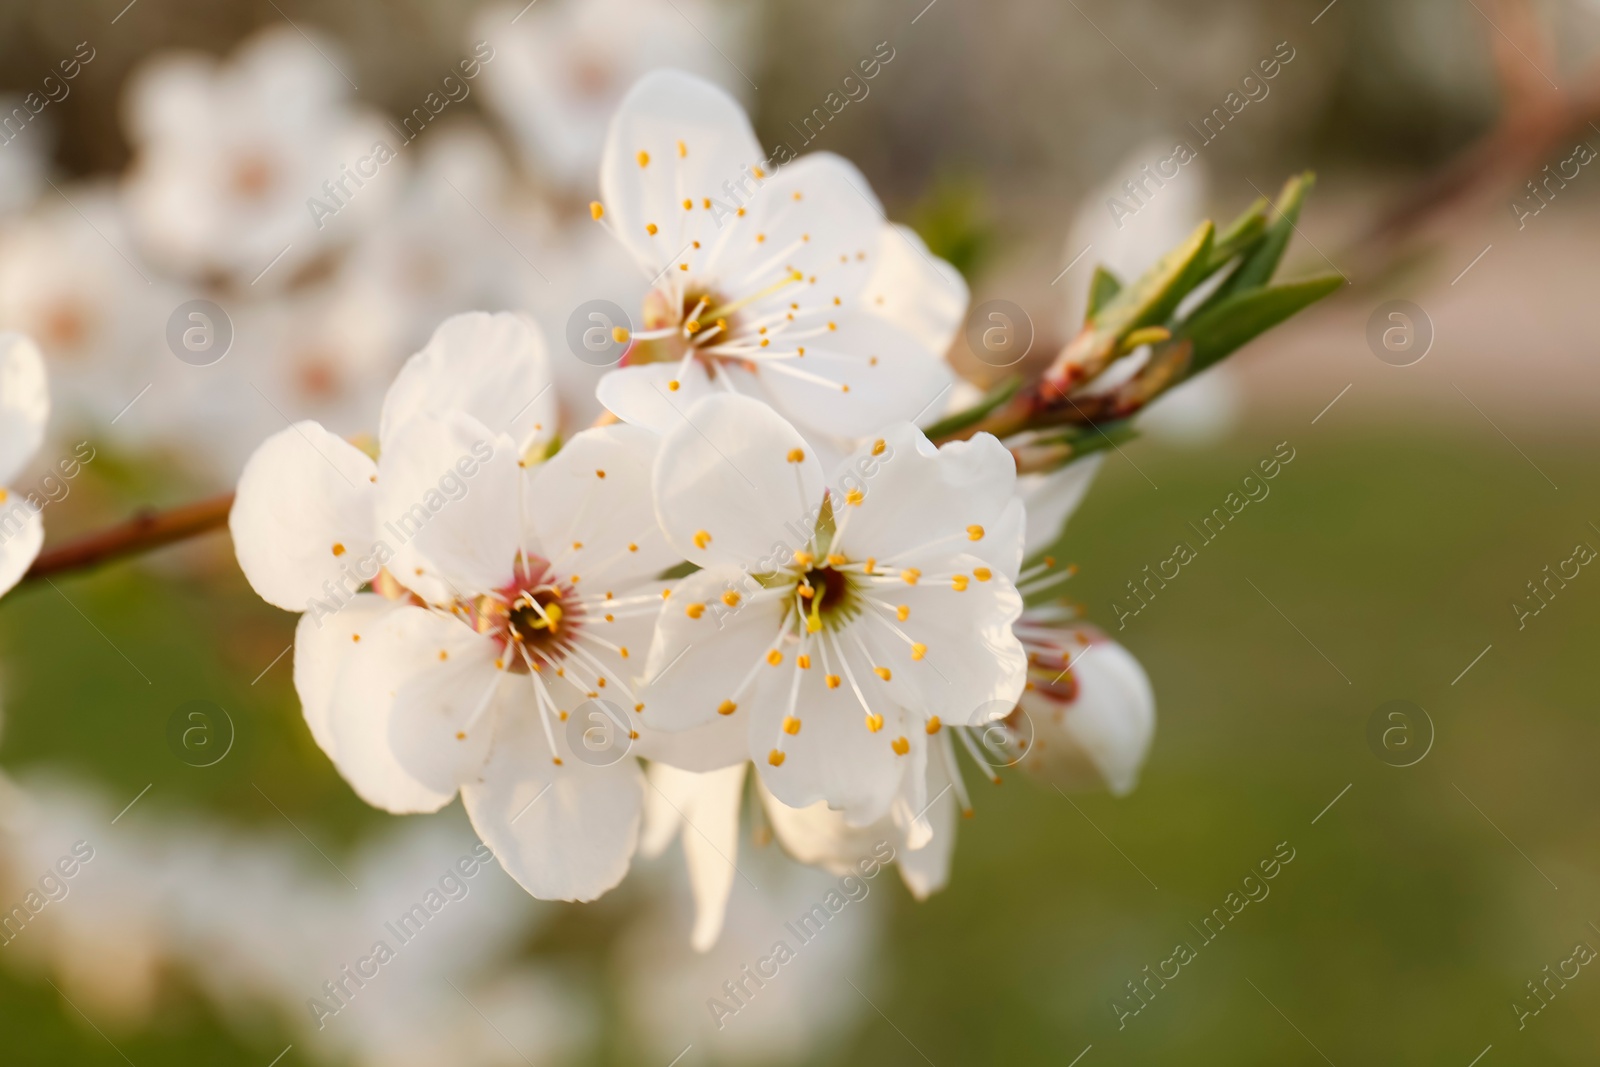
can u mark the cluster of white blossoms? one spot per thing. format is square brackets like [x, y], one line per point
[755, 558]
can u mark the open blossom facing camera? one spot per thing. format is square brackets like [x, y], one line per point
[226, 155]
[512, 592]
[24, 410]
[764, 283]
[848, 625]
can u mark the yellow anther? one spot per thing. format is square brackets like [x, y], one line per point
[832, 680]
[673, 385]
[882, 672]
[598, 473]
[918, 650]
[874, 722]
[806, 592]
[338, 548]
[620, 334]
[694, 611]
[644, 159]
[791, 725]
[933, 724]
[623, 651]
[803, 661]
[804, 559]
[759, 173]
[983, 574]
[688, 205]
[683, 149]
[878, 446]
[900, 745]
[835, 560]
[596, 210]
[958, 582]
[701, 539]
[774, 657]
[727, 707]
[910, 575]
[730, 598]
[796, 455]
[974, 533]
[775, 758]
[854, 496]
[903, 612]
[692, 326]
[871, 566]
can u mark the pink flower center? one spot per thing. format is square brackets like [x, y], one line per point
[533, 618]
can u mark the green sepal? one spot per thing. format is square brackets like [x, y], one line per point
[1102, 288]
[1225, 326]
[959, 421]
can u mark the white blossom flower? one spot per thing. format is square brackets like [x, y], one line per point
[228, 156]
[562, 66]
[1088, 714]
[762, 282]
[65, 283]
[520, 591]
[24, 411]
[849, 626]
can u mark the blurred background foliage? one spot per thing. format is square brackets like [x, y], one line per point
[1407, 923]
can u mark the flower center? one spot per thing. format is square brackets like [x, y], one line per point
[828, 598]
[533, 618]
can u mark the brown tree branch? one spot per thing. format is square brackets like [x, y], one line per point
[147, 529]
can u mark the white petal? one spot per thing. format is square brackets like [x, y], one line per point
[736, 484]
[643, 395]
[564, 833]
[915, 290]
[492, 367]
[819, 836]
[24, 403]
[817, 216]
[399, 709]
[1103, 735]
[666, 108]
[321, 645]
[447, 505]
[716, 744]
[922, 504]
[595, 493]
[974, 667]
[889, 375]
[706, 806]
[834, 757]
[21, 537]
[926, 870]
[704, 648]
[1052, 498]
[303, 518]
